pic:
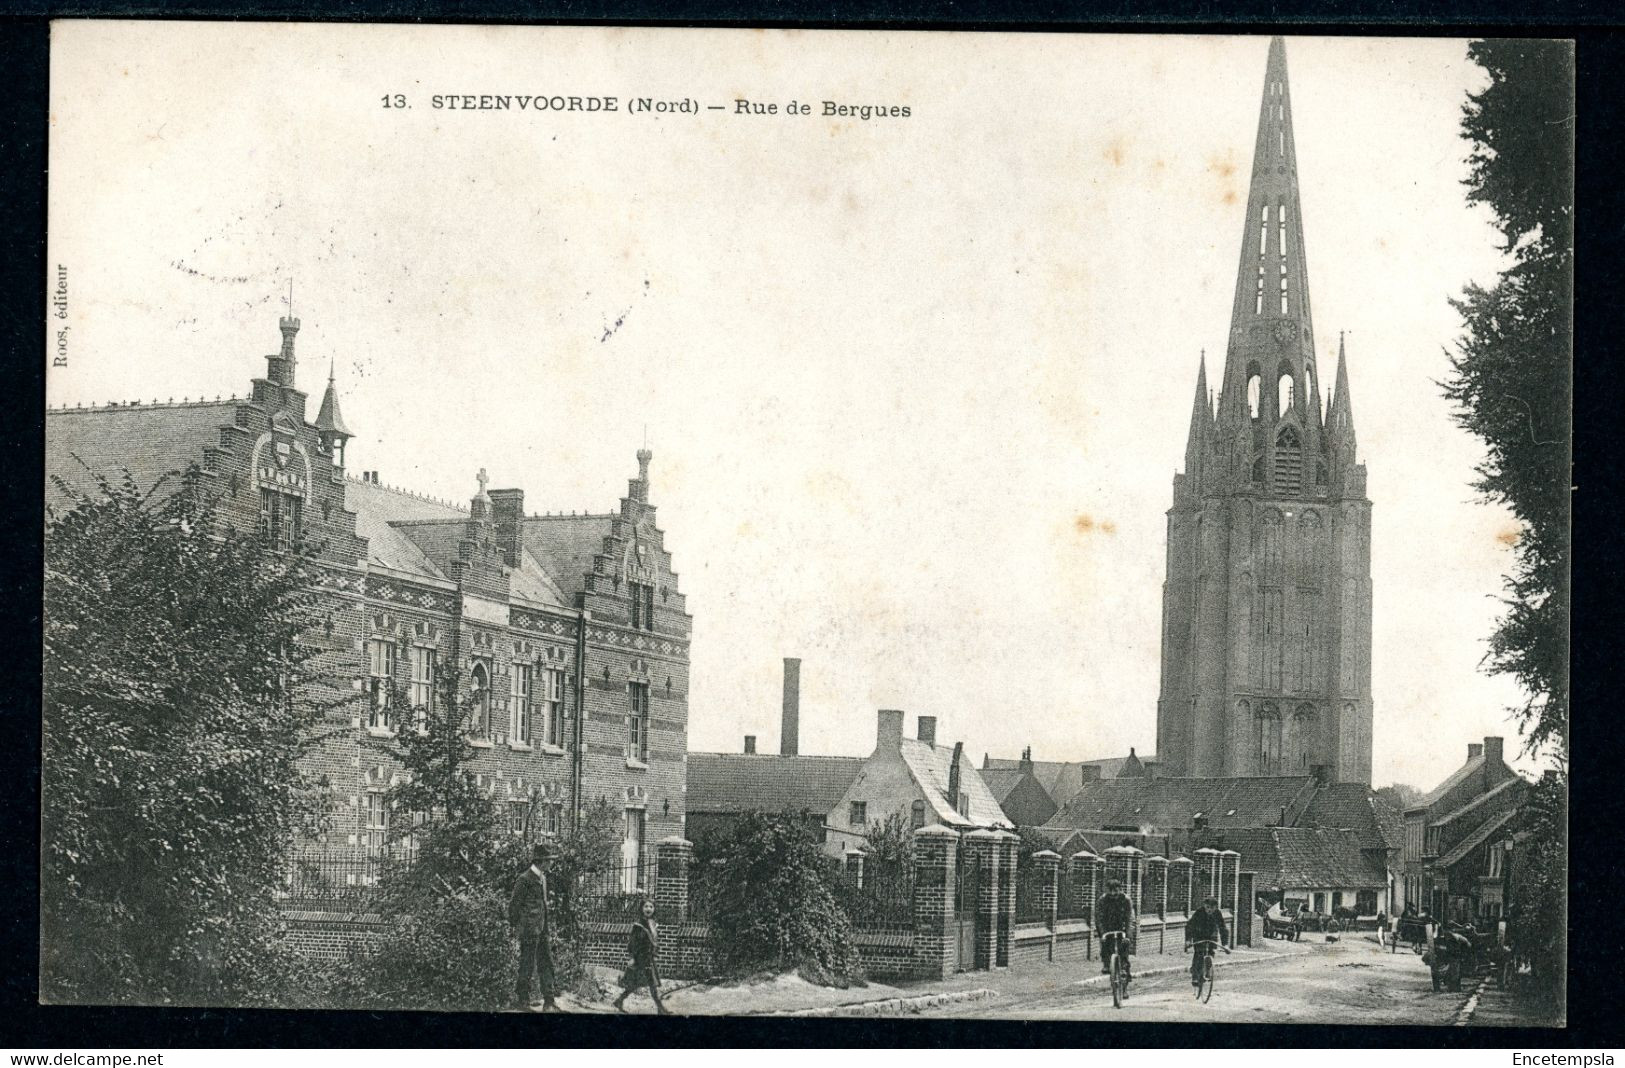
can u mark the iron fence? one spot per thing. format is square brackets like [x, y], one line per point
[1029, 900]
[1072, 901]
[324, 878]
[879, 897]
[615, 895]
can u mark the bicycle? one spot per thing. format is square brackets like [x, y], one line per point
[1116, 966]
[1204, 989]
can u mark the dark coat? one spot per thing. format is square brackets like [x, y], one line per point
[1114, 912]
[1204, 925]
[640, 946]
[527, 909]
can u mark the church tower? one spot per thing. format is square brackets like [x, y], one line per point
[1266, 605]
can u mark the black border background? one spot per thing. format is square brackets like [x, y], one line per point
[1597, 947]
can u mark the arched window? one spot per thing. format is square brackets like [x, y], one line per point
[1255, 382]
[1308, 382]
[1288, 460]
[1258, 469]
[1283, 393]
[479, 684]
[1269, 740]
[1304, 724]
[917, 815]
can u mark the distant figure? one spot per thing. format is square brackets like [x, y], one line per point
[527, 913]
[1114, 917]
[1382, 926]
[642, 947]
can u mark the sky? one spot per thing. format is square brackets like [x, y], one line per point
[916, 387]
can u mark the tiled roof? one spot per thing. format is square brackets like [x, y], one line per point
[1063, 778]
[1305, 858]
[149, 441]
[1500, 790]
[1173, 803]
[1473, 766]
[764, 782]
[565, 544]
[1350, 805]
[929, 765]
[532, 582]
[377, 507]
[1000, 781]
[1472, 841]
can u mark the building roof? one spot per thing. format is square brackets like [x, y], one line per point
[1001, 781]
[565, 546]
[1474, 806]
[1062, 778]
[1352, 806]
[330, 419]
[767, 782]
[1175, 802]
[148, 441]
[929, 765]
[1476, 839]
[378, 508]
[1473, 766]
[1305, 858]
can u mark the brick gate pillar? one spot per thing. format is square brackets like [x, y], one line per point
[1126, 864]
[1207, 875]
[672, 858]
[1156, 885]
[1179, 882]
[1009, 850]
[1047, 863]
[982, 850]
[936, 941]
[1229, 881]
[1084, 891]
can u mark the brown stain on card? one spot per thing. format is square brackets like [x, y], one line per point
[1224, 168]
[1116, 152]
[1085, 523]
[1509, 536]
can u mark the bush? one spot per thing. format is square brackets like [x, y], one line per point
[774, 905]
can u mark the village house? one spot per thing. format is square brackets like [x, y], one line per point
[566, 635]
[1063, 778]
[1456, 838]
[1019, 793]
[916, 780]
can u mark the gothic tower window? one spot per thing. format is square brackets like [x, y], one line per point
[1283, 287]
[1304, 725]
[1283, 392]
[1282, 242]
[1258, 470]
[1263, 231]
[1288, 460]
[1269, 740]
[479, 684]
[1255, 389]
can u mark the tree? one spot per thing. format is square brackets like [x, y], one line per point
[1511, 378]
[1399, 796]
[172, 729]
[774, 906]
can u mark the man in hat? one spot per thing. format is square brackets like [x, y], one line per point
[527, 913]
[1205, 926]
[1114, 919]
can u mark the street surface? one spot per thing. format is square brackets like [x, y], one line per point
[1347, 982]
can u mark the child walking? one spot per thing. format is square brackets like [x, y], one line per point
[642, 971]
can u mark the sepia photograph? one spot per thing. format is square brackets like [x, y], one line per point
[808, 523]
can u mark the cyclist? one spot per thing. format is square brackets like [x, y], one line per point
[1115, 913]
[1207, 925]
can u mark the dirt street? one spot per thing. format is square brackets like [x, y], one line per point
[1349, 981]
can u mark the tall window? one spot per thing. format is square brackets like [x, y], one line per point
[479, 682]
[637, 722]
[380, 681]
[519, 709]
[422, 691]
[517, 813]
[550, 692]
[859, 814]
[643, 605]
[632, 850]
[1269, 741]
[550, 816]
[917, 815]
[377, 828]
[281, 518]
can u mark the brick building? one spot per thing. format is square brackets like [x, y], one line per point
[1455, 837]
[567, 633]
[1019, 793]
[1266, 639]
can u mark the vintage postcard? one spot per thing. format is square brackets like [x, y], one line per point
[594, 520]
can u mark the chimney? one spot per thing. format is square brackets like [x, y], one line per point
[508, 514]
[953, 777]
[1027, 759]
[1492, 750]
[1474, 749]
[750, 744]
[926, 730]
[790, 724]
[1090, 772]
[889, 737]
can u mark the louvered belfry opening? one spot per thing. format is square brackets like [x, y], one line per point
[1288, 461]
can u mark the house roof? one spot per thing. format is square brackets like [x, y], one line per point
[1477, 804]
[1477, 838]
[1305, 858]
[147, 440]
[378, 508]
[1473, 766]
[565, 546]
[1063, 778]
[766, 782]
[929, 765]
[1351, 806]
[1175, 802]
[1001, 781]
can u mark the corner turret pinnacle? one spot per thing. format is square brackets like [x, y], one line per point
[1201, 423]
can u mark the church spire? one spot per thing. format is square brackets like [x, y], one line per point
[1340, 419]
[1201, 423]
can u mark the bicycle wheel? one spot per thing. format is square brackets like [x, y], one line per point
[1207, 978]
[1119, 982]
